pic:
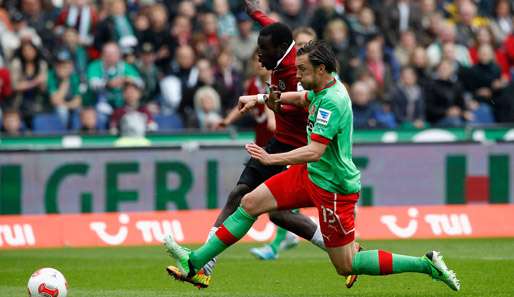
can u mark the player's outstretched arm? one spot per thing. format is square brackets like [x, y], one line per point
[294, 98]
[254, 11]
[233, 116]
[309, 153]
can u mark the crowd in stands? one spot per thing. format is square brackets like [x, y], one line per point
[96, 65]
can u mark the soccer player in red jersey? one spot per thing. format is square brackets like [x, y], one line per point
[276, 52]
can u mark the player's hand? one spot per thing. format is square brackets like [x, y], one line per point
[258, 153]
[274, 98]
[252, 5]
[220, 125]
[246, 103]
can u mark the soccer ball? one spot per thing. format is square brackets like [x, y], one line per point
[47, 282]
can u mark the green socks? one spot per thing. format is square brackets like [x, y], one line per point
[281, 235]
[378, 262]
[233, 229]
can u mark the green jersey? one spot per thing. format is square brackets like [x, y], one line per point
[331, 122]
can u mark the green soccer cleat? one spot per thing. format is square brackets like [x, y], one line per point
[439, 270]
[184, 271]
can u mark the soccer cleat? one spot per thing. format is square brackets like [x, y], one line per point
[439, 270]
[264, 253]
[199, 280]
[289, 242]
[180, 254]
[209, 267]
[184, 271]
[352, 278]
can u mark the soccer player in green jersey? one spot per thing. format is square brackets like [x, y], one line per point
[322, 175]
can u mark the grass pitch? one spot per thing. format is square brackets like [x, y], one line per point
[485, 268]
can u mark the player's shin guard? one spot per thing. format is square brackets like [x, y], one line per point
[378, 262]
[233, 229]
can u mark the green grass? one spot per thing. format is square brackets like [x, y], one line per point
[485, 267]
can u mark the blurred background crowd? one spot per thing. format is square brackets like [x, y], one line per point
[99, 66]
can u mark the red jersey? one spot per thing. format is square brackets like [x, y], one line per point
[262, 133]
[291, 120]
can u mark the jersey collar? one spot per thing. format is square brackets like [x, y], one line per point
[291, 46]
[331, 83]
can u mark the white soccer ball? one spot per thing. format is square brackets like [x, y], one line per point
[47, 282]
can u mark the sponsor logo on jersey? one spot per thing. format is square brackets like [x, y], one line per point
[323, 116]
[312, 110]
[310, 126]
[282, 85]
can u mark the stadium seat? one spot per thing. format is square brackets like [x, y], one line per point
[168, 122]
[47, 123]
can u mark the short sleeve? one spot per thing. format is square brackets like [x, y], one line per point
[309, 95]
[327, 122]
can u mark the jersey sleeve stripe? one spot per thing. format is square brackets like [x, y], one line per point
[319, 138]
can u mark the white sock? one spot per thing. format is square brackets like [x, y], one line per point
[211, 233]
[317, 239]
[209, 267]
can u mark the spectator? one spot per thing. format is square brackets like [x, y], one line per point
[428, 14]
[11, 123]
[364, 29]
[132, 92]
[106, 77]
[398, 17]
[77, 52]
[64, 88]
[5, 86]
[407, 100]
[325, 12]
[468, 22]
[228, 79]
[158, 35]
[41, 20]
[11, 40]
[209, 24]
[303, 35]
[353, 9]
[181, 31]
[419, 61]
[226, 21]
[244, 43]
[380, 71]
[150, 76]
[484, 81]
[82, 16]
[88, 121]
[28, 74]
[116, 27]
[367, 113]
[403, 51]
[293, 14]
[502, 23]
[446, 34]
[485, 36]
[337, 35]
[445, 98]
[207, 107]
[504, 105]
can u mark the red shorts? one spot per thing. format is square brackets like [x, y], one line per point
[293, 189]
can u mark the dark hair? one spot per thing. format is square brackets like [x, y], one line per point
[320, 54]
[280, 33]
[37, 59]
